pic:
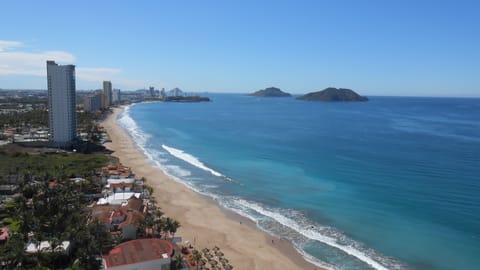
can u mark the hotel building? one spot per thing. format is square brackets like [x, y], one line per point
[61, 103]
[107, 94]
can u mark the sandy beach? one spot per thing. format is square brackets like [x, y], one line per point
[203, 222]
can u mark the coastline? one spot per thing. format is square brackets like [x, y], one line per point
[203, 222]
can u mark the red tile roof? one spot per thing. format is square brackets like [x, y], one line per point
[4, 234]
[137, 251]
[121, 185]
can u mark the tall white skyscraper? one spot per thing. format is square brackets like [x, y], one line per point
[61, 103]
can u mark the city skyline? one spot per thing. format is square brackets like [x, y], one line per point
[403, 48]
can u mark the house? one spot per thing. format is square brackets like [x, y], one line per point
[120, 219]
[146, 254]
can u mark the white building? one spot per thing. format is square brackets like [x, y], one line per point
[116, 96]
[107, 94]
[33, 247]
[61, 103]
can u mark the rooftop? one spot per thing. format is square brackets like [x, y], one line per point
[140, 250]
[4, 234]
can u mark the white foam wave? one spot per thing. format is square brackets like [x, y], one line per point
[190, 159]
[313, 234]
[179, 171]
[124, 119]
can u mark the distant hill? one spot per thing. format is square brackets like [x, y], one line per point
[333, 94]
[270, 92]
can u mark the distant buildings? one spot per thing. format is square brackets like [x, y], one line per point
[176, 92]
[116, 98]
[152, 91]
[92, 102]
[61, 103]
[107, 94]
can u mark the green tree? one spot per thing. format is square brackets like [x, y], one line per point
[178, 262]
[197, 256]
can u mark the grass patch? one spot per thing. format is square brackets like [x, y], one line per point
[69, 164]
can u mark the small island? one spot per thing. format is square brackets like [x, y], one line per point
[333, 94]
[270, 92]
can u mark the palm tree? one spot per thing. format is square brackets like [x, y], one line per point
[174, 225]
[149, 222]
[167, 227]
[160, 225]
[178, 261]
[197, 256]
[141, 227]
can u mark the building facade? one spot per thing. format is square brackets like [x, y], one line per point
[61, 103]
[116, 96]
[93, 102]
[107, 94]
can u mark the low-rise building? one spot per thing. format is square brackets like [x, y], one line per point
[120, 219]
[146, 254]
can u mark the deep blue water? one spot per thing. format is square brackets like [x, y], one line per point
[392, 183]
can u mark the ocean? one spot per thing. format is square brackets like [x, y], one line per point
[393, 183]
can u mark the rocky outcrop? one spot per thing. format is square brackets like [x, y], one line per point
[333, 94]
[270, 92]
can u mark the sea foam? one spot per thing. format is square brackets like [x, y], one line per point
[314, 233]
[190, 159]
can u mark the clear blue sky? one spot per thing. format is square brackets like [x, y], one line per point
[424, 48]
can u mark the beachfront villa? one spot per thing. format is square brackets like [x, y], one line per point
[120, 185]
[118, 198]
[145, 254]
[120, 220]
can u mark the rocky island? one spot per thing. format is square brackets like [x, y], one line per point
[333, 94]
[270, 92]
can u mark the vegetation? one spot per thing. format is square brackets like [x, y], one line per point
[197, 257]
[177, 263]
[51, 212]
[33, 119]
[23, 166]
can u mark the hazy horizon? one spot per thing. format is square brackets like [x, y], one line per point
[376, 48]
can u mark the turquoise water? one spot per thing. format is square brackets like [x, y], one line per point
[392, 183]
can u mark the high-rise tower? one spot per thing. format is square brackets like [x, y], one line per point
[107, 94]
[61, 103]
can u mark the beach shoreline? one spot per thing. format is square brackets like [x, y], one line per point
[203, 221]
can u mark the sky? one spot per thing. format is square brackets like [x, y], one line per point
[388, 48]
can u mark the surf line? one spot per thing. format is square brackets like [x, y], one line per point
[191, 160]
